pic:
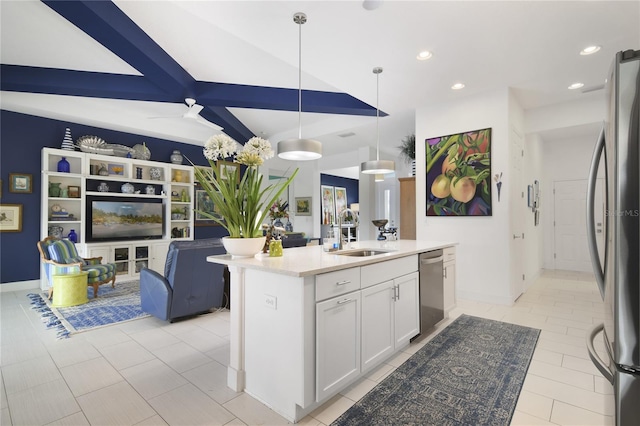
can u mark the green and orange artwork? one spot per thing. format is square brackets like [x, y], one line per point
[459, 174]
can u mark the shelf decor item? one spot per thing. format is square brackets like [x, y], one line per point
[155, 173]
[54, 189]
[67, 142]
[241, 205]
[55, 231]
[127, 188]
[103, 187]
[176, 157]
[64, 166]
[73, 237]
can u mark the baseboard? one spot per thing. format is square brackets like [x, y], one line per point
[20, 285]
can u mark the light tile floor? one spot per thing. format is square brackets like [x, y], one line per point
[149, 372]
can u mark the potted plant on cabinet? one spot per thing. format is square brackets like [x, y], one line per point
[408, 151]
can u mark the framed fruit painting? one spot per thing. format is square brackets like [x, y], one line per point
[459, 174]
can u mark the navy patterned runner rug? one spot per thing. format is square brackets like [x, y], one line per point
[469, 374]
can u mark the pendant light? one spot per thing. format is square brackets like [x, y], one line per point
[299, 149]
[377, 166]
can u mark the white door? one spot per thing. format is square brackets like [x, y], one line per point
[571, 252]
[406, 307]
[337, 342]
[519, 212]
[377, 323]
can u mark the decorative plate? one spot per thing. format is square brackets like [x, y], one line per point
[94, 145]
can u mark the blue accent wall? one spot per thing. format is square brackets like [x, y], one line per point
[352, 186]
[22, 138]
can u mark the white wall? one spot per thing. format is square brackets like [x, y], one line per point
[483, 252]
[534, 241]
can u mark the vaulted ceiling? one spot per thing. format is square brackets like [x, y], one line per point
[122, 64]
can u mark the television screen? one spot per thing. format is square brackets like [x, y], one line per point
[130, 219]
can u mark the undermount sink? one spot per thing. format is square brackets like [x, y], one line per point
[362, 252]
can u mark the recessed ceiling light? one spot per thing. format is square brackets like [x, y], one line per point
[575, 86]
[424, 55]
[589, 50]
[458, 86]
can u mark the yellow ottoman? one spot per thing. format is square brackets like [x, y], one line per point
[70, 289]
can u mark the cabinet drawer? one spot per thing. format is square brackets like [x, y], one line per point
[385, 271]
[336, 283]
[449, 253]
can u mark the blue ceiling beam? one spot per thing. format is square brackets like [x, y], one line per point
[111, 27]
[280, 99]
[17, 78]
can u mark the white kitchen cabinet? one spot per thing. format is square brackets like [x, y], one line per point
[406, 308]
[377, 323]
[337, 343]
[390, 318]
[449, 279]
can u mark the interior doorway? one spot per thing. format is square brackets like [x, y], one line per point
[571, 251]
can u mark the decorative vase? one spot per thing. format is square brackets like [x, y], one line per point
[55, 231]
[138, 172]
[102, 171]
[73, 237]
[67, 142]
[150, 190]
[64, 166]
[103, 187]
[155, 173]
[278, 223]
[288, 227]
[176, 157]
[243, 247]
[54, 189]
[127, 188]
[64, 193]
[275, 248]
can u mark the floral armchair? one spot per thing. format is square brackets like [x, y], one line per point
[61, 257]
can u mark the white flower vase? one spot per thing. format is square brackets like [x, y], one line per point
[243, 247]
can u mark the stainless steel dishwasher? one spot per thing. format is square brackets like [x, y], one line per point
[431, 289]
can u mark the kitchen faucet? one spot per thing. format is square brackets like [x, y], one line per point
[355, 223]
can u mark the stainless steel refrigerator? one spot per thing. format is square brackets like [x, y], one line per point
[619, 274]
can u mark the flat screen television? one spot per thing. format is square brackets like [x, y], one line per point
[121, 219]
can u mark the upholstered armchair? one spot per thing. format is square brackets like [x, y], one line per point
[61, 257]
[190, 284]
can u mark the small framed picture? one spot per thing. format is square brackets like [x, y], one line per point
[204, 203]
[20, 183]
[303, 206]
[227, 168]
[115, 169]
[10, 217]
[74, 191]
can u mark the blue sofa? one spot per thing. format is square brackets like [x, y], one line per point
[190, 285]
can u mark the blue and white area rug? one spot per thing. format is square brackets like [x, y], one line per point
[469, 374]
[113, 305]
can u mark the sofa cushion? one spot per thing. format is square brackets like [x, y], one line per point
[61, 250]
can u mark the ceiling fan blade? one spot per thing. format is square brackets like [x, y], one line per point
[205, 122]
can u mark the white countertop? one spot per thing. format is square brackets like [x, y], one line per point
[312, 260]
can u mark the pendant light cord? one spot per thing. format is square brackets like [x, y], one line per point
[378, 115]
[300, 22]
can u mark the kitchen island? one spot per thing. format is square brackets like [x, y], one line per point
[306, 325]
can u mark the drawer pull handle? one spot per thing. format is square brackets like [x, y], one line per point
[345, 282]
[340, 302]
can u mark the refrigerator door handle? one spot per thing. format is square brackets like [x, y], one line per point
[591, 223]
[595, 358]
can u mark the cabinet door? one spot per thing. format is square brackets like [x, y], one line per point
[449, 281]
[337, 343]
[377, 323]
[407, 314]
[158, 257]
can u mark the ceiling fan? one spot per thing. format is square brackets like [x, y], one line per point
[193, 113]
